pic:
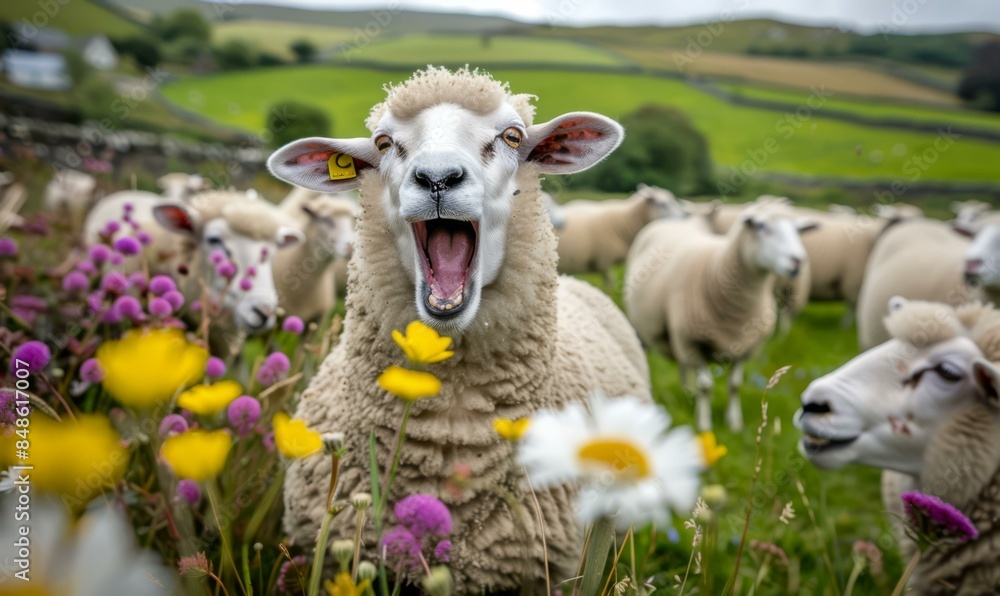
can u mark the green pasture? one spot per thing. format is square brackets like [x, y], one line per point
[875, 108]
[276, 37]
[75, 17]
[756, 139]
[419, 50]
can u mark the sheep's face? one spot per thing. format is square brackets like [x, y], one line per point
[249, 294]
[883, 407]
[449, 181]
[773, 243]
[335, 229]
[660, 203]
[982, 258]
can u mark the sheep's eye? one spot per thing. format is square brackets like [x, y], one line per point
[949, 372]
[512, 136]
[383, 143]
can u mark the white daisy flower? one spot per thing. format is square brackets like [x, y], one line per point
[621, 455]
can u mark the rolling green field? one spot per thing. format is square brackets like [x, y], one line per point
[75, 17]
[276, 37]
[877, 109]
[760, 139]
[419, 50]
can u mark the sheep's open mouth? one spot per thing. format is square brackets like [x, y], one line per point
[814, 444]
[447, 249]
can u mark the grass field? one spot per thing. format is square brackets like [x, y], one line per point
[875, 108]
[277, 37]
[843, 77]
[420, 50]
[737, 135]
[76, 17]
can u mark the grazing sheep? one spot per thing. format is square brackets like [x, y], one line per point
[555, 211]
[966, 212]
[452, 232]
[921, 260]
[596, 235]
[180, 186]
[923, 407]
[72, 193]
[698, 297]
[247, 230]
[305, 275]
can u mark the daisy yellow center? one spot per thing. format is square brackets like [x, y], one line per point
[621, 456]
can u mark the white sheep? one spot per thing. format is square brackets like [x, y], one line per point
[698, 297]
[966, 212]
[595, 235]
[922, 260]
[247, 230]
[180, 186]
[452, 232]
[923, 407]
[72, 193]
[791, 294]
[305, 275]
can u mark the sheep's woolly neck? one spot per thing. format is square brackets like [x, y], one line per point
[962, 462]
[473, 90]
[537, 342]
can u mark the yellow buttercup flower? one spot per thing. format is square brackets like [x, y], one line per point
[343, 586]
[511, 429]
[409, 385]
[712, 451]
[197, 454]
[147, 368]
[293, 438]
[77, 460]
[423, 345]
[209, 399]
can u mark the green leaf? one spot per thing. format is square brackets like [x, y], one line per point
[601, 538]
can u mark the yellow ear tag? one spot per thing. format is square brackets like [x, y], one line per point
[341, 167]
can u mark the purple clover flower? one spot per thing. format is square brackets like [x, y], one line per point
[8, 247]
[99, 253]
[175, 298]
[128, 246]
[246, 284]
[143, 237]
[217, 257]
[28, 302]
[86, 266]
[137, 280]
[442, 552]
[293, 324]
[226, 269]
[937, 520]
[91, 371]
[128, 307]
[244, 413]
[273, 369]
[161, 284]
[215, 367]
[189, 491]
[111, 228]
[33, 355]
[114, 283]
[160, 308]
[173, 424]
[8, 411]
[401, 548]
[424, 515]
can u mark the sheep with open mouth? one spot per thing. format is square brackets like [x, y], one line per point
[923, 406]
[452, 232]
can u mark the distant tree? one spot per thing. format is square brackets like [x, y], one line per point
[290, 120]
[186, 22]
[97, 99]
[662, 148]
[143, 50]
[234, 55]
[269, 59]
[980, 86]
[304, 50]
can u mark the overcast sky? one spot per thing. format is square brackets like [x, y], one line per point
[863, 15]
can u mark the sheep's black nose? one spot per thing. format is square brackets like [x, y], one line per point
[796, 266]
[263, 315]
[439, 179]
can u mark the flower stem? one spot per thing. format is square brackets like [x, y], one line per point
[391, 473]
[906, 574]
[316, 573]
[859, 566]
[357, 545]
[213, 495]
[541, 530]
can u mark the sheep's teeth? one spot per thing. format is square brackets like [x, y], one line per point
[449, 306]
[433, 301]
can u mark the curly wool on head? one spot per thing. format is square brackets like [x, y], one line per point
[474, 90]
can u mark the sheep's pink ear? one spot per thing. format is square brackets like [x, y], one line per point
[177, 218]
[287, 236]
[987, 377]
[326, 165]
[571, 143]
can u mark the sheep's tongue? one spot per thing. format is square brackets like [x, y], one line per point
[449, 250]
